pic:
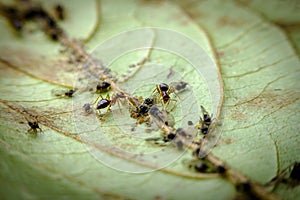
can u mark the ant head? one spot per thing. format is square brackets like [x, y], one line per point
[163, 87]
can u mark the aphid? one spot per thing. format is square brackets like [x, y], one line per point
[34, 127]
[158, 116]
[35, 12]
[17, 24]
[87, 108]
[69, 93]
[139, 109]
[204, 123]
[149, 101]
[221, 169]
[164, 91]
[103, 87]
[179, 86]
[183, 133]
[179, 144]
[200, 166]
[14, 17]
[143, 109]
[50, 22]
[169, 137]
[199, 153]
[63, 93]
[60, 12]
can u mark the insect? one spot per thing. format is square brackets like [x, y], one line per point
[69, 93]
[34, 127]
[164, 91]
[140, 110]
[204, 123]
[159, 117]
[63, 93]
[179, 86]
[59, 12]
[103, 87]
[87, 108]
[149, 101]
[169, 137]
[104, 103]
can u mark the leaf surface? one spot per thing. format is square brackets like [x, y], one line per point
[259, 68]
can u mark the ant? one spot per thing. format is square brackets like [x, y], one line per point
[34, 126]
[106, 102]
[103, 87]
[204, 123]
[164, 91]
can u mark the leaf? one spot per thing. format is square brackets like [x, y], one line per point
[259, 68]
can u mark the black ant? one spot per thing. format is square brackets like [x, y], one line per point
[104, 103]
[103, 87]
[34, 126]
[204, 123]
[164, 91]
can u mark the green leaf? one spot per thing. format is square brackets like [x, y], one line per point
[259, 68]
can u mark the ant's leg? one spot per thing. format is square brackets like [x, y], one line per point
[155, 90]
[175, 103]
[107, 111]
[97, 99]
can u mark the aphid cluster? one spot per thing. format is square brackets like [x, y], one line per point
[205, 122]
[17, 16]
[142, 109]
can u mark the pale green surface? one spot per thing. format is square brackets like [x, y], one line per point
[260, 116]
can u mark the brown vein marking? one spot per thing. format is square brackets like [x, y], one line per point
[277, 153]
[227, 21]
[256, 53]
[16, 68]
[234, 176]
[271, 102]
[46, 122]
[280, 24]
[9, 148]
[260, 68]
[242, 35]
[264, 94]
